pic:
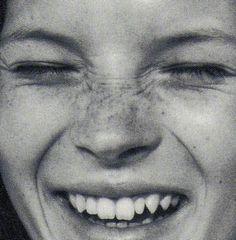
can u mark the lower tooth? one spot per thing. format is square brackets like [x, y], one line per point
[147, 221]
[111, 224]
[133, 224]
[122, 224]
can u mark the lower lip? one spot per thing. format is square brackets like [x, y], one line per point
[161, 227]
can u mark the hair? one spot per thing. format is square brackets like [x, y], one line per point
[11, 227]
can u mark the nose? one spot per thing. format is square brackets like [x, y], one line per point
[114, 149]
[117, 134]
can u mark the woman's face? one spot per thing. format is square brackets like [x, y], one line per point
[123, 104]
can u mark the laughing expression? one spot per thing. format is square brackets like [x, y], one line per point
[118, 118]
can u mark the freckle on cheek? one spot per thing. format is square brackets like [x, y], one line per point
[207, 138]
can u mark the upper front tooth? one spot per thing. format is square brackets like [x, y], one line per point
[80, 203]
[139, 205]
[165, 202]
[125, 209]
[91, 206]
[106, 208]
[152, 202]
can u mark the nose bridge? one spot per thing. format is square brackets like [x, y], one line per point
[116, 61]
[114, 114]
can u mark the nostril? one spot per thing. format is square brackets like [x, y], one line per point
[115, 149]
[140, 152]
[130, 155]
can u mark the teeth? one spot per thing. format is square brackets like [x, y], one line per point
[80, 203]
[134, 224]
[122, 225]
[125, 209]
[139, 205]
[165, 202]
[152, 202]
[147, 220]
[111, 224]
[72, 199]
[106, 208]
[175, 201]
[91, 206]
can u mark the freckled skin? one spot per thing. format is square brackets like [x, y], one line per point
[120, 120]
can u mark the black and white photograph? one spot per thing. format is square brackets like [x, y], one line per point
[117, 120]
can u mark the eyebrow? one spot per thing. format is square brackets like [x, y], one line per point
[41, 35]
[201, 35]
[157, 45]
[191, 37]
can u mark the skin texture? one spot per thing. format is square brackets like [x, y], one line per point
[116, 122]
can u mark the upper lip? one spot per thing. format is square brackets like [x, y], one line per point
[122, 189]
[122, 184]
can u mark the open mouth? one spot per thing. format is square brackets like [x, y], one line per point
[126, 212]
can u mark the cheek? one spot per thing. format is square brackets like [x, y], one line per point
[28, 123]
[208, 129]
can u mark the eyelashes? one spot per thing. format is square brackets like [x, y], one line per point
[200, 71]
[43, 68]
[43, 73]
[197, 74]
[192, 74]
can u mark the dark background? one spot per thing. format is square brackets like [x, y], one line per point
[10, 226]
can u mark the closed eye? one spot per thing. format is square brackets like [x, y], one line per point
[41, 68]
[199, 71]
[47, 73]
[195, 74]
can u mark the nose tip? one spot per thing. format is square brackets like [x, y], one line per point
[113, 149]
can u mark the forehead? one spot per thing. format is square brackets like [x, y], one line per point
[125, 23]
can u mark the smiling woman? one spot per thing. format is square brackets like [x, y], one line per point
[118, 119]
